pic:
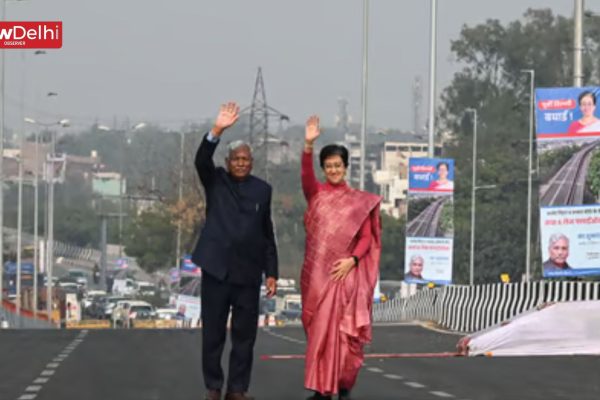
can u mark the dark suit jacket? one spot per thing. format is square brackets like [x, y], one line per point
[237, 242]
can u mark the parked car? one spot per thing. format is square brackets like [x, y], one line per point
[80, 276]
[124, 286]
[127, 310]
[110, 304]
[145, 288]
[166, 313]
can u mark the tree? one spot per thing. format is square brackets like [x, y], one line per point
[392, 247]
[150, 238]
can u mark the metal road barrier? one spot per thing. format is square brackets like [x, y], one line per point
[463, 308]
[10, 320]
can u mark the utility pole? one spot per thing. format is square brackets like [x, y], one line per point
[578, 45]
[364, 94]
[432, 73]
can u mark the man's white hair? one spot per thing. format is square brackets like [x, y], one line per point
[556, 237]
[236, 144]
[417, 257]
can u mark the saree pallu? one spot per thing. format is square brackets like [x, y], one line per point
[337, 315]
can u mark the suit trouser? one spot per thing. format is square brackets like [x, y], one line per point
[218, 297]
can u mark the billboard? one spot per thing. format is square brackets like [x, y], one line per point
[430, 221]
[570, 240]
[567, 112]
[189, 306]
[568, 146]
[428, 260]
[431, 176]
[188, 268]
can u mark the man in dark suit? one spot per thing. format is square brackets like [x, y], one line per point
[236, 246]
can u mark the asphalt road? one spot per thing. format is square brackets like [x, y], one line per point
[165, 364]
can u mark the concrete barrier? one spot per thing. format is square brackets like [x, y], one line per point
[89, 324]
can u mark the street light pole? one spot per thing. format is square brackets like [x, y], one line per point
[181, 143]
[133, 128]
[49, 163]
[365, 77]
[473, 188]
[432, 70]
[36, 211]
[20, 167]
[50, 234]
[2, 117]
[531, 73]
[578, 45]
[36, 221]
[2, 122]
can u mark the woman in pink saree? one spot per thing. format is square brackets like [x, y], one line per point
[341, 265]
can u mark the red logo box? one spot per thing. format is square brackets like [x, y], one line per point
[31, 35]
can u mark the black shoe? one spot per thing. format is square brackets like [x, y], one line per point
[238, 396]
[344, 394]
[319, 396]
[212, 394]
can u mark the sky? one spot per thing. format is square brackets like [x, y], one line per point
[173, 62]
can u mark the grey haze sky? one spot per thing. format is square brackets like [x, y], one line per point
[170, 62]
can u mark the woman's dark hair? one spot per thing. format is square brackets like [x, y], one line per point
[333, 150]
[437, 167]
[587, 93]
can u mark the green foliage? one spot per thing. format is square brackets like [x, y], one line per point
[593, 178]
[392, 247]
[446, 223]
[151, 239]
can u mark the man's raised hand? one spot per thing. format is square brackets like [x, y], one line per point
[228, 114]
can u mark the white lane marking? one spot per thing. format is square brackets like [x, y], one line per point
[284, 337]
[415, 385]
[392, 376]
[32, 390]
[442, 394]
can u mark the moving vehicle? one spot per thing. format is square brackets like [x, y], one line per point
[80, 276]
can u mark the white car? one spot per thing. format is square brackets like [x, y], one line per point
[110, 303]
[166, 313]
[79, 275]
[145, 288]
[91, 295]
[124, 287]
[126, 310]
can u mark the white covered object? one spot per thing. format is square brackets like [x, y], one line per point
[553, 329]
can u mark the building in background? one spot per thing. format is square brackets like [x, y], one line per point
[391, 176]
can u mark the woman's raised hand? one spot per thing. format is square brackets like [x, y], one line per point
[312, 129]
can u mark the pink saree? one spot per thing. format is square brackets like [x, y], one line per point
[337, 315]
